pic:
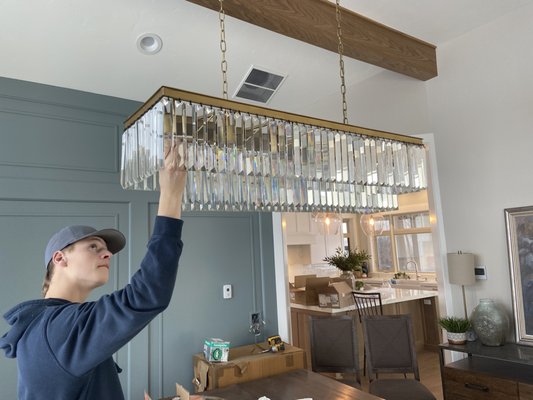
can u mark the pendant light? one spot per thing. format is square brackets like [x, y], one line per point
[372, 224]
[241, 157]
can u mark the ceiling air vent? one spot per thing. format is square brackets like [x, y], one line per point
[259, 85]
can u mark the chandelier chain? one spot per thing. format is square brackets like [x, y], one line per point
[341, 63]
[223, 63]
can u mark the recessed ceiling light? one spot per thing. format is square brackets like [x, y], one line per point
[149, 43]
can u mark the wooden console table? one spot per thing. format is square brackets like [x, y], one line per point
[503, 372]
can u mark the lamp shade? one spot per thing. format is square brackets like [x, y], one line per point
[461, 268]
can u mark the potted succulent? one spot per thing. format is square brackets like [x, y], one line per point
[401, 275]
[456, 329]
[349, 262]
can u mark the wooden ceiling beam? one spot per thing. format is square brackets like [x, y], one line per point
[314, 22]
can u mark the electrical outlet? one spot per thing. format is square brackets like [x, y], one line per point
[256, 324]
[256, 318]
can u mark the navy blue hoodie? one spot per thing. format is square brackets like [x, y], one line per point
[64, 350]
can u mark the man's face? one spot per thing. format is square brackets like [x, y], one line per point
[88, 263]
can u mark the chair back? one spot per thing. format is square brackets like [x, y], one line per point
[367, 303]
[390, 345]
[334, 345]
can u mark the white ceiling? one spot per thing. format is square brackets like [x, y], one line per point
[91, 45]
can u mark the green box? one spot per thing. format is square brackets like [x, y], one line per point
[216, 350]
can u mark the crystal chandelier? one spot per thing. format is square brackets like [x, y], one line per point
[241, 157]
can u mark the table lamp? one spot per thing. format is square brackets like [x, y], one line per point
[461, 271]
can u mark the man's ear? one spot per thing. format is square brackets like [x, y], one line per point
[59, 258]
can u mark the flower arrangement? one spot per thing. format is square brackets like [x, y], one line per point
[351, 260]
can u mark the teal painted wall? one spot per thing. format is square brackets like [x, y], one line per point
[59, 165]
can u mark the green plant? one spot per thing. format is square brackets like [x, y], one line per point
[351, 260]
[359, 285]
[401, 275]
[455, 324]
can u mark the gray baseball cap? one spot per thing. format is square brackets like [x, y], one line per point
[114, 239]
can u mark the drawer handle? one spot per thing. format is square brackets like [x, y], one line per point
[481, 388]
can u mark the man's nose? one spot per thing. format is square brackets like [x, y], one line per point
[106, 254]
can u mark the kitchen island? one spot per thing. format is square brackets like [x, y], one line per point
[420, 304]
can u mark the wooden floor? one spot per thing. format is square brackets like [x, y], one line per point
[428, 364]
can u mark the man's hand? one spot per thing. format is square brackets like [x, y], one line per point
[172, 179]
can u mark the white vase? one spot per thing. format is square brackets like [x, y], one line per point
[456, 337]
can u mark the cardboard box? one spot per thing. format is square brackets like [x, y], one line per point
[297, 296]
[300, 280]
[347, 280]
[336, 295]
[297, 290]
[309, 296]
[245, 363]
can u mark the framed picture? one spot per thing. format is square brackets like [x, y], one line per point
[519, 226]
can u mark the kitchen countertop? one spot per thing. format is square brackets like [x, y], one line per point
[422, 284]
[388, 296]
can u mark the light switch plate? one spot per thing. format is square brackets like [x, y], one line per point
[227, 291]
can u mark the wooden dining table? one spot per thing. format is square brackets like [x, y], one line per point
[293, 385]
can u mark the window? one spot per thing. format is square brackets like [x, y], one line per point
[345, 235]
[404, 245]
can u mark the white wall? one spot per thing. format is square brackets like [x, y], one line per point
[387, 101]
[480, 110]
[481, 114]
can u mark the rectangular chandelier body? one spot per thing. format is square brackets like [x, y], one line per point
[240, 157]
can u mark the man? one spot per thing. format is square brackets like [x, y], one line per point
[63, 344]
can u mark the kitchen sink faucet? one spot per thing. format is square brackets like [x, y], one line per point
[416, 268]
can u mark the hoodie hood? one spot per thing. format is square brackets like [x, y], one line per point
[20, 318]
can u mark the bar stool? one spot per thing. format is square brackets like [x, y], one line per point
[367, 303]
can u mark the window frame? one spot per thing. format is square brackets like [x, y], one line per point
[392, 234]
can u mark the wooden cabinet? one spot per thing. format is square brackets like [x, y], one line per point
[461, 380]
[488, 373]
[430, 317]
